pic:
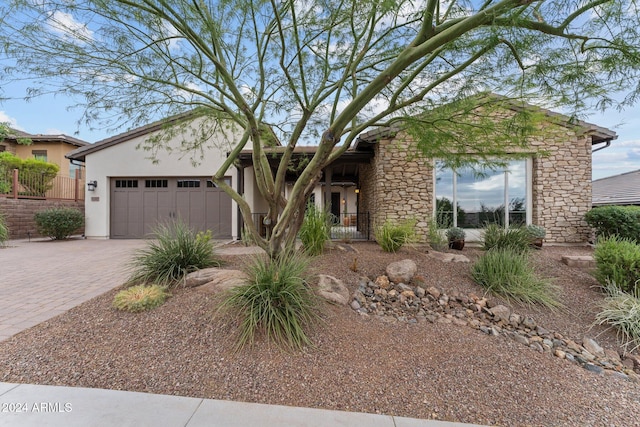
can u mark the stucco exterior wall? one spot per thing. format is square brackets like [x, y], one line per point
[399, 184]
[126, 160]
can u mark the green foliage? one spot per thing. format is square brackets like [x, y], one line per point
[392, 236]
[456, 233]
[175, 252]
[437, 241]
[622, 311]
[509, 274]
[618, 261]
[59, 223]
[497, 237]
[276, 301]
[35, 176]
[4, 230]
[623, 221]
[535, 231]
[140, 298]
[315, 230]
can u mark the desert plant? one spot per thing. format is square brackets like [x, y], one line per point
[276, 300]
[622, 311]
[392, 236]
[508, 273]
[4, 230]
[175, 251]
[535, 231]
[623, 221]
[58, 223]
[496, 237]
[618, 261]
[140, 298]
[436, 239]
[35, 176]
[455, 233]
[315, 230]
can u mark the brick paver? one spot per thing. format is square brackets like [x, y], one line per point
[42, 279]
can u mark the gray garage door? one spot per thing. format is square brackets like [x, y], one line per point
[139, 204]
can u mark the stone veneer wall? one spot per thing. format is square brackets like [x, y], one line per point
[399, 185]
[19, 214]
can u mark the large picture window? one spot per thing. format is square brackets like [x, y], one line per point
[482, 195]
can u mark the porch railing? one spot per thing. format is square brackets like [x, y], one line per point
[343, 227]
[23, 185]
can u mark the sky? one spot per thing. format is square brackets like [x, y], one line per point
[51, 115]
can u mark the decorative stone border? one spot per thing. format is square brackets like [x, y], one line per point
[399, 302]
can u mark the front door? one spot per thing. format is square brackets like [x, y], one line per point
[335, 207]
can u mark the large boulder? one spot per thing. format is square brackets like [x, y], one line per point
[200, 277]
[402, 271]
[223, 280]
[332, 289]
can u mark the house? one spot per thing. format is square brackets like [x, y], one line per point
[623, 189]
[50, 148]
[379, 178]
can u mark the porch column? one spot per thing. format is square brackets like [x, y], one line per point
[328, 172]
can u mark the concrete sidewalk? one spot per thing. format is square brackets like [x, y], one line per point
[24, 405]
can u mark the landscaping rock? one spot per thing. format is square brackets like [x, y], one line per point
[501, 312]
[332, 289]
[446, 257]
[401, 271]
[200, 277]
[592, 347]
[594, 368]
[585, 261]
[223, 280]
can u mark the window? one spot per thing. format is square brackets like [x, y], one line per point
[480, 195]
[39, 155]
[75, 171]
[211, 184]
[188, 183]
[156, 183]
[126, 183]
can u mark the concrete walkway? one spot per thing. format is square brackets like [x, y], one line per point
[42, 279]
[34, 406]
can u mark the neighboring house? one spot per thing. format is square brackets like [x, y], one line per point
[623, 189]
[50, 148]
[373, 181]
[133, 192]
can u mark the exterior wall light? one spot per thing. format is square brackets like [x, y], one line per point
[92, 185]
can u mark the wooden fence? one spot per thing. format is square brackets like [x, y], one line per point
[39, 186]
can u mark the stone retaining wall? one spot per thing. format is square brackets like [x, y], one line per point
[19, 214]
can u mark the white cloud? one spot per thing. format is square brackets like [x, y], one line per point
[66, 25]
[620, 157]
[168, 30]
[53, 131]
[12, 122]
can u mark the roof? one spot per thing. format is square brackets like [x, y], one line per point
[598, 134]
[16, 134]
[623, 189]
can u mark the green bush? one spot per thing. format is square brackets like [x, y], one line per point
[314, 232]
[618, 261]
[140, 298]
[392, 236]
[437, 241]
[59, 223]
[276, 301]
[4, 230]
[623, 221]
[516, 239]
[622, 311]
[175, 252]
[509, 274]
[35, 176]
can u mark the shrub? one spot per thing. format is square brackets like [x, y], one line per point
[456, 233]
[392, 236]
[437, 241]
[509, 274]
[622, 311]
[315, 230]
[4, 230]
[58, 223]
[516, 239]
[618, 261]
[140, 298]
[276, 300]
[535, 231]
[176, 251]
[623, 221]
[35, 176]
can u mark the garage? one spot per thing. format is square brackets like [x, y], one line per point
[139, 204]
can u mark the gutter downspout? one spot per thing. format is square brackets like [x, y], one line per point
[606, 143]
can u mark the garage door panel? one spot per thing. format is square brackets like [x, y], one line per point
[157, 208]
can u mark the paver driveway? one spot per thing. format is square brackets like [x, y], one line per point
[43, 278]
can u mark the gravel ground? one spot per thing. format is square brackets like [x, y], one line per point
[422, 370]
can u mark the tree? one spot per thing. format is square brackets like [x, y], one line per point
[322, 71]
